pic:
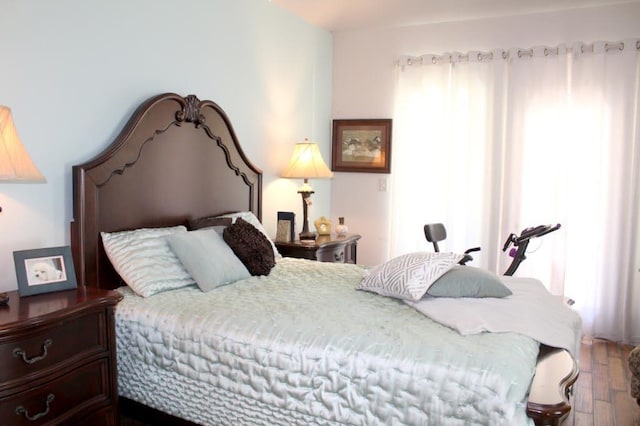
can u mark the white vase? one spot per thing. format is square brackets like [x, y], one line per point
[341, 229]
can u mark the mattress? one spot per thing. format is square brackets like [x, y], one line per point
[302, 346]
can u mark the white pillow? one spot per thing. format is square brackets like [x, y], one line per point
[207, 257]
[145, 261]
[252, 219]
[409, 276]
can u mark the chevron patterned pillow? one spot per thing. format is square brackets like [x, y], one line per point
[409, 276]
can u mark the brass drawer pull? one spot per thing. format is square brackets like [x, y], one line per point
[19, 352]
[20, 410]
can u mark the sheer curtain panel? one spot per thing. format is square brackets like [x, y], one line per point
[490, 143]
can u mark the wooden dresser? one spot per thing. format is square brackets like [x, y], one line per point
[57, 358]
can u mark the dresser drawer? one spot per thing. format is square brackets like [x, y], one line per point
[26, 357]
[61, 399]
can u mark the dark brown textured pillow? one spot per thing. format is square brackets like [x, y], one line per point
[208, 222]
[250, 246]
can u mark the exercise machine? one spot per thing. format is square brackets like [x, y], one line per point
[520, 243]
[436, 232]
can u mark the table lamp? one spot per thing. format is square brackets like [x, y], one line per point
[306, 163]
[15, 163]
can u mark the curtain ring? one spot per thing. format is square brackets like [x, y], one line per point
[434, 61]
[505, 54]
[608, 47]
[548, 51]
[525, 52]
[409, 61]
[480, 57]
[638, 45]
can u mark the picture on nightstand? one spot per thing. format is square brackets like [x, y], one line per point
[44, 270]
[286, 226]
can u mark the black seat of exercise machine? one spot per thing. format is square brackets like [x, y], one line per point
[435, 232]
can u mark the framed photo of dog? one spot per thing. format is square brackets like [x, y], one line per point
[44, 270]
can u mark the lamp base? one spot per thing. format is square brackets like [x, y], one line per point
[307, 236]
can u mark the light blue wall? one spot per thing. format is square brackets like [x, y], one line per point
[73, 71]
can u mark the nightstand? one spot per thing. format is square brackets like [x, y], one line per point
[324, 248]
[57, 358]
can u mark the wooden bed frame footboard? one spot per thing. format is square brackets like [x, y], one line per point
[552, 386]
[200, 169]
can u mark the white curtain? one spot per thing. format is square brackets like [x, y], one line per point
[490, 143]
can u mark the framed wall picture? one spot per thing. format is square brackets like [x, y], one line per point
[44, 270]
[361, 146]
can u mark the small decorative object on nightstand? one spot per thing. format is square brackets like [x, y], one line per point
[341, 229]
[324, 249]
[57, 352]
[323, 226]
[44, 270]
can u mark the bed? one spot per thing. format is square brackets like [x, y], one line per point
[272, 349]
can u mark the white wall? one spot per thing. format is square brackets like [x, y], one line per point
[73, 71]
[364, 75]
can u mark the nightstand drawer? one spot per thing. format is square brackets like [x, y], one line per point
[60, 399]
[324, 249]
[64, 342]
[334, 254]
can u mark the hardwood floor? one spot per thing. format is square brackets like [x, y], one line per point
[601, 395]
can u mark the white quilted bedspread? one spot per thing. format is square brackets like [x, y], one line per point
[302, 346]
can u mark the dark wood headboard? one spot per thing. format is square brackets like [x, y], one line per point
[177, 159]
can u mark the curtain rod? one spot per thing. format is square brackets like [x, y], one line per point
[506, 54]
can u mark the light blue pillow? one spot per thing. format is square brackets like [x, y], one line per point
[208, 259]
[468, 281]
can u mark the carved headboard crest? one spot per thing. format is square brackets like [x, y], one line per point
[191, 111]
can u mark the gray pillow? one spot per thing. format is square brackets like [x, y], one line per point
[208, 259]
[468, 281]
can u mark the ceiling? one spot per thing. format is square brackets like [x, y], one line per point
[345, 15]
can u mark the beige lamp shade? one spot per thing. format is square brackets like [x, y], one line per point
[15, 162]
[307, 163]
